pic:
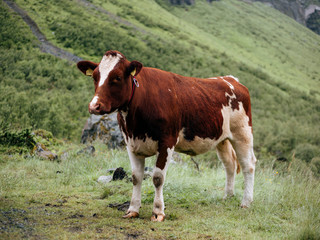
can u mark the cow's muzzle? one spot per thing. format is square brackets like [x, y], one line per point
[94, 108]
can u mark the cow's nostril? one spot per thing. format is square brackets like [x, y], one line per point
[97, 106]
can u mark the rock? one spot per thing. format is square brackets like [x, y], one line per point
[64, 156]
[111, 170]
[313, 21]
[87, 150]
[176, 157]
[148, 172]
[104, 128]
[104, 179]
[43, 152]
[304, 12]
[181, 2]
[119, 174]
[173, 161]
[282, 159]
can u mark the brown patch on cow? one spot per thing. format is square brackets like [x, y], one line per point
[157, 179]
[157, 205]
[134, 179]
[251, 170]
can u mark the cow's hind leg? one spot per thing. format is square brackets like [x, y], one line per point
[243, 145]
[228, 157]
[137, 165]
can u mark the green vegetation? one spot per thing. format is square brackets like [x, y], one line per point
[275, 57]
[44, 200]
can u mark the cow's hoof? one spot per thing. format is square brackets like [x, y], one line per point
[131, 215]
[245, 204]
[158, 218]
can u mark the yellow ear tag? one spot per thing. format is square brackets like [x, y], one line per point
[133, 72]
[89, 72]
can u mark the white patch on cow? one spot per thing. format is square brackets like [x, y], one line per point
[196, 146]
[124, 116]
[94, 101]
[106, 66]
[169, 89]
[229, 84]
[233, 96]
[233, 78]
[139, 147]
[213, 78]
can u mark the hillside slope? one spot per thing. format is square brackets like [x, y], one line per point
[273, 55]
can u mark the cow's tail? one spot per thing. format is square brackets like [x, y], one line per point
[234, 157]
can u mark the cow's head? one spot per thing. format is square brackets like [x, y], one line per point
[112, 80]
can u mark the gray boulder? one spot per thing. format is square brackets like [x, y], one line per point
[104, 128]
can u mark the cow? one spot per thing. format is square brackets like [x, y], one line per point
[161, 112]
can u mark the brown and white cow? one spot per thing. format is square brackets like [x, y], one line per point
[159, 112]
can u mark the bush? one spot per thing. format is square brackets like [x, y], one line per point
[307, 152]
[19, 138]
[315, 166]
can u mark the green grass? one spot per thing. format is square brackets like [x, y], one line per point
[44, 199]
[276, 58]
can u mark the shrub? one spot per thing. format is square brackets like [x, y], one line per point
[20, 138]
[315, 166]
[307, 152]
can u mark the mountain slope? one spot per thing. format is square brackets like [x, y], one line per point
[273, 55]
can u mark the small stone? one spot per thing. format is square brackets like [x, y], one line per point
[87, 150]
[64, 156]
[111, 170]
[104, 179]
[119, 174]
[173, 162]
[176, 157]
[148, 171]
[48, 155]
[42, 152]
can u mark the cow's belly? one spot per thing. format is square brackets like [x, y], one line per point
[201, 145]
[196, 146]
[140, 147]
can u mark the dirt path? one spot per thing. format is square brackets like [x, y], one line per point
[45, 45]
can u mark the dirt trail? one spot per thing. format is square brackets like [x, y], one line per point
[45, 45]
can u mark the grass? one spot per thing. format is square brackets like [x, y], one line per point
[276, 58]
[45, 199]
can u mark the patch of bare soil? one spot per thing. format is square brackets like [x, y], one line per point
[120, 206]
[15, 220]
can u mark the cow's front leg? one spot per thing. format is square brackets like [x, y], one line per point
[137, 165]
[159, 174]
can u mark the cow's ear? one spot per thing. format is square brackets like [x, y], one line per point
[134, 68]
[87, 67]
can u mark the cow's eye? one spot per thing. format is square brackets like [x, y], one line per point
[118, 78]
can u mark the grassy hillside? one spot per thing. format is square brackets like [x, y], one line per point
[275, 57]
[36, 89]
